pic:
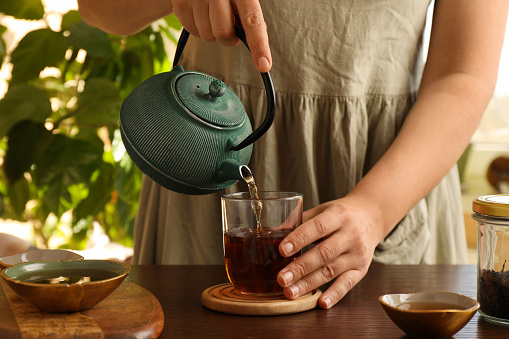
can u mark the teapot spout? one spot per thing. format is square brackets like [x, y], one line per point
[229, 169]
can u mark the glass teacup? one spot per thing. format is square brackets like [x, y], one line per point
[253, 230]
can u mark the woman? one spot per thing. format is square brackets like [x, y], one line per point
[370, 145]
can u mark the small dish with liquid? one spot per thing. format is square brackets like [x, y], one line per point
[38, 255]
[429, 314]
[65, 286]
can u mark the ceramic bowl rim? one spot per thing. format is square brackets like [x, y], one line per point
[474, 308]
[126, 270]
[7, 265]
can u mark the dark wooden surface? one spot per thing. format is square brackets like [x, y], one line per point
[358, 315]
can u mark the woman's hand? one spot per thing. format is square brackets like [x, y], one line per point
[344, 252]
[214, 20]
[210, 20]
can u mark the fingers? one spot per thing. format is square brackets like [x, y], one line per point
[214, 20]
[314, 229]
[347, 270]
[323, 263]
[344, 283]
[202, 22]
[343, 255]
[251, 17]
[210, 20]
[324, 257]
[223, 22]
[183, 10]
[298, 279]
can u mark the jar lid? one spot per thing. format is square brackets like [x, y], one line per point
[494, 205]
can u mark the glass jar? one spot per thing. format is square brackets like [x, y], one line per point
[492, 215]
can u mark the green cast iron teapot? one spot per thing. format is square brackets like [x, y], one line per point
[188, 131]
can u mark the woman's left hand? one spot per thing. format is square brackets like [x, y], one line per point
[344, 251]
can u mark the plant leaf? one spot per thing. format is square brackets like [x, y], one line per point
[173, 22]
[91, 39]
[126, 215]
[20, 103]
[3, 47]
[80, 231]
[38, 49]
[26, 141]
[65, 162]
[68, 160]
[99, 194]
[99, 103]
[23, 9]
[52, 196]
[127, 179]
[128, 184]
[159, 51]
[18, 194]
[172, 29]
[2, 205]
[69, 19]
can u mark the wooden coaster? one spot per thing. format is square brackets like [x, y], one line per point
[226, 299]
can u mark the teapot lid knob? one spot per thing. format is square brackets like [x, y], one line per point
[217, 88]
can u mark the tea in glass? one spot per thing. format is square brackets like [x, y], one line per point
[252, 237]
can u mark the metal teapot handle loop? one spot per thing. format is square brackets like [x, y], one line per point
[267, 82]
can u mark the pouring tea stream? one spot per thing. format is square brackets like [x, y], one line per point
[256, 203]
[188, 131]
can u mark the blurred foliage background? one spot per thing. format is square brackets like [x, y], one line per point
[60, 148]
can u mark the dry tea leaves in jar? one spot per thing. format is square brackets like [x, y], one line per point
[492, 215]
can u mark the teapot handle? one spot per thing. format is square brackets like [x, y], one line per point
[267, 82]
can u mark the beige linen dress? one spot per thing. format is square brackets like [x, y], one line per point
[346, 75]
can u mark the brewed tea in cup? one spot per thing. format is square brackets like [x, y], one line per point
[253, 228]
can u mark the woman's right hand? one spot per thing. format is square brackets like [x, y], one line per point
[214, 20]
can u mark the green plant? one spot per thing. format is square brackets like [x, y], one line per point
[60, 146]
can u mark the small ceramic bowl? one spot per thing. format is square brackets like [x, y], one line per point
[429, 314]
[65, 286]
[38, 255]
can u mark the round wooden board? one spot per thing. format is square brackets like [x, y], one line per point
[226, 299]
[129, 312]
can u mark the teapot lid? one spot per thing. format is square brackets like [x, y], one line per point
[209, 100]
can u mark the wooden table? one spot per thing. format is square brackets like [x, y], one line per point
[358, 315]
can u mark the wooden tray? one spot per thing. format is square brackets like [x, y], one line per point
[129, 312]
[226, 299]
